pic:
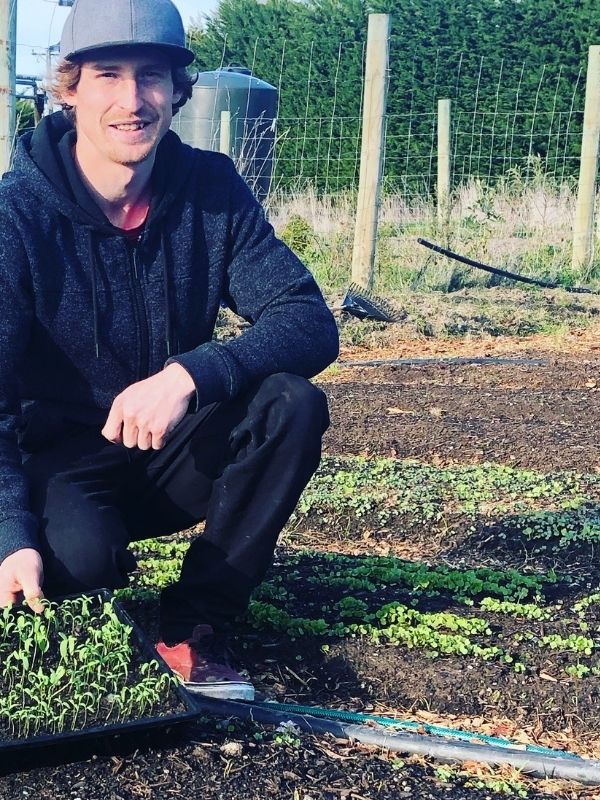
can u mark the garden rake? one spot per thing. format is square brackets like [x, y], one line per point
[363, 304]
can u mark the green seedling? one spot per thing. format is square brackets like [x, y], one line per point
[69, 666]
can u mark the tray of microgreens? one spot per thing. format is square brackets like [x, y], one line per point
[81, 668]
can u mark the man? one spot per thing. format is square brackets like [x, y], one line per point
[120, 418]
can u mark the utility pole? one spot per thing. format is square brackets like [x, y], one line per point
[49, 108]
[8, 57]
[52, 50]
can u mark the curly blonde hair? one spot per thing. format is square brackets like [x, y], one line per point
[66, 76]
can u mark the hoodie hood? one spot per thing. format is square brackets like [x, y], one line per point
[48, 149]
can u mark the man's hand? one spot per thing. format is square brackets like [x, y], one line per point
[145, 413]
[21, 578]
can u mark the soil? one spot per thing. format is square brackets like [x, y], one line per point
[536, 415]
[216, 765]
[466, 413]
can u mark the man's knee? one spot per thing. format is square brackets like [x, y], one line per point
[83, 546]
[296, 400]
[86, 564]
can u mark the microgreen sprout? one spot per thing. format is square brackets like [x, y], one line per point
[70, 666]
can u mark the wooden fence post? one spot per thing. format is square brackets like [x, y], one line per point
[8, 50]
[583, 230]
[225, 133]
[372, 149]
[443, 162]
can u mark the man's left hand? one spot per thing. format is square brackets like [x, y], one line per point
[144, 414]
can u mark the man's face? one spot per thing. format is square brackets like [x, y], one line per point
[123, 104]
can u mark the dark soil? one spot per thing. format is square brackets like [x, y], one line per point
[537, 416]
[233, 764]
[355, 673]
[468, 414]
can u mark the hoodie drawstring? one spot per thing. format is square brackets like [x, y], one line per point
[92, 256]
[167, 292]
[167, 288]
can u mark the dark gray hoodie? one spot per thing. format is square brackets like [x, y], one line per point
[85, 313]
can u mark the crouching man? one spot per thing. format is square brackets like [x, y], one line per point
[120, 418]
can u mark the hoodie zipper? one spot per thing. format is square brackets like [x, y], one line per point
[141, 317]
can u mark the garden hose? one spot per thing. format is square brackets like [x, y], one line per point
[421, 727]
[531, 759]
[502, 272]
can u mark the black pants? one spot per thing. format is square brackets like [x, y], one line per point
[241, 465]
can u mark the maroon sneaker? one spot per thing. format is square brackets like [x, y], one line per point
[202, 663]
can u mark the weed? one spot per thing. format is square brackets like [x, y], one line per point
[523, 610]
[350, 607]
[524, 226]
[298, 235]
[394, 623]
[382, 490]
[573, 643]
[374, 572]
[577, 670]
[445, 774]
[580, 524]
[514, 787]
[582, 605]
[287, 734]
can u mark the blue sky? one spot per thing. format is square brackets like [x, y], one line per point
[39, 23]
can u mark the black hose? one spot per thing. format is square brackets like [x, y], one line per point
[447, 360]
[502, 272]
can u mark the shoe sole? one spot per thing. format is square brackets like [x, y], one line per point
[223, 691]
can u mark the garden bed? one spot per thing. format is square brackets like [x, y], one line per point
[463, 566]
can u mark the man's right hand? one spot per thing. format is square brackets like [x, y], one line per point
[21, 578]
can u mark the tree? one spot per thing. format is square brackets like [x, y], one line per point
[513, 69]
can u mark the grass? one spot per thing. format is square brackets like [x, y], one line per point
[473, 313]
[523, 227]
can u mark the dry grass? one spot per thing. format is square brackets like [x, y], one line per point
[525, 228]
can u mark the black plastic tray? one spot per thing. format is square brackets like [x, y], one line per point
[111, 730]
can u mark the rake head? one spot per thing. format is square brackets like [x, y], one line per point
[363, 304]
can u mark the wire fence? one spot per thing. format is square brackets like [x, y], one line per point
[515, 153]
[514, 147]
[519, 124]
[524, 123]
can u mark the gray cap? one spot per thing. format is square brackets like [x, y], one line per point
[92, 25]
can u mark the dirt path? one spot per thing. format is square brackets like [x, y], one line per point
[444, 412]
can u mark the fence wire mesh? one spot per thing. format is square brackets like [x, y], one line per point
[524, 124]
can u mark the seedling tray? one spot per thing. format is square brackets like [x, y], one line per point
[112, 729]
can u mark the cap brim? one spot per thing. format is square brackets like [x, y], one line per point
[180, 56]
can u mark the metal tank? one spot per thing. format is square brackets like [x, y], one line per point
[252, 106]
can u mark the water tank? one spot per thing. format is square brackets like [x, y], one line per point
[252, 105]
